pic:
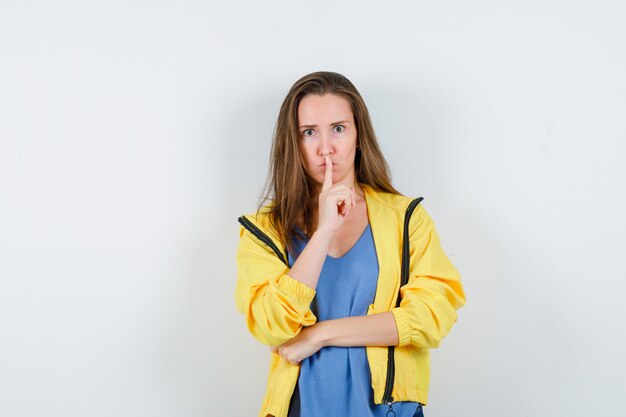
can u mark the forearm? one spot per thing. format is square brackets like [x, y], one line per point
[308, 266]
[371, 330]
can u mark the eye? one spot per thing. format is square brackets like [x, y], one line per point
[307, 132]
[339, 129]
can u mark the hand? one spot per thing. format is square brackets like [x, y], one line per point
[335, 202]
[305, 344]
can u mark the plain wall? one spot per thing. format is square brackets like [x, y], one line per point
[133, 134]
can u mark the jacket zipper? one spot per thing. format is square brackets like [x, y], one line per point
[404, 279]
[262, 237]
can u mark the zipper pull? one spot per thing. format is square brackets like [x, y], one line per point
[390, 412]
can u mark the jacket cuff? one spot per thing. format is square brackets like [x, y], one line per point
[404, 326]
[303, 292]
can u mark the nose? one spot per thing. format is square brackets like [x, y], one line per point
[326, 147]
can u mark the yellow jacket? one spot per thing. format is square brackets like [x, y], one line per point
[276, 306]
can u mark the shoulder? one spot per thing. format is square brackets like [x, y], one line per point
[390, 201]
[396, 205]
[261, 216]
[261, 220]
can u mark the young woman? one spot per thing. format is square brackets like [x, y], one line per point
[319, 267]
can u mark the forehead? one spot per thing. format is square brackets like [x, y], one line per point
[316, 109]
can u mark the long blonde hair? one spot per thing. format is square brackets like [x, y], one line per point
[288, 186]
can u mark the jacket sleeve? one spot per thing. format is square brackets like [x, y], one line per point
[434, 291]
[275, 305]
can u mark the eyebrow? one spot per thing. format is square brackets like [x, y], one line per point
[341, 122]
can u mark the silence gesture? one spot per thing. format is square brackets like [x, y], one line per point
[335, 201]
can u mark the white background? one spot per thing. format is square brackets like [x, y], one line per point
[133, 134]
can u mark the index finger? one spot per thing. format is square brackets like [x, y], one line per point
[328, 176]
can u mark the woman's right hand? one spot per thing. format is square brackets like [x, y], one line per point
[335, 202]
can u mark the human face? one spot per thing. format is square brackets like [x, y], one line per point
[326, 126]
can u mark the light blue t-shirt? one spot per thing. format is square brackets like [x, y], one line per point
[336, 381]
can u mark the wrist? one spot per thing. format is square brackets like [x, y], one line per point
[321, 334]
[323, 235]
